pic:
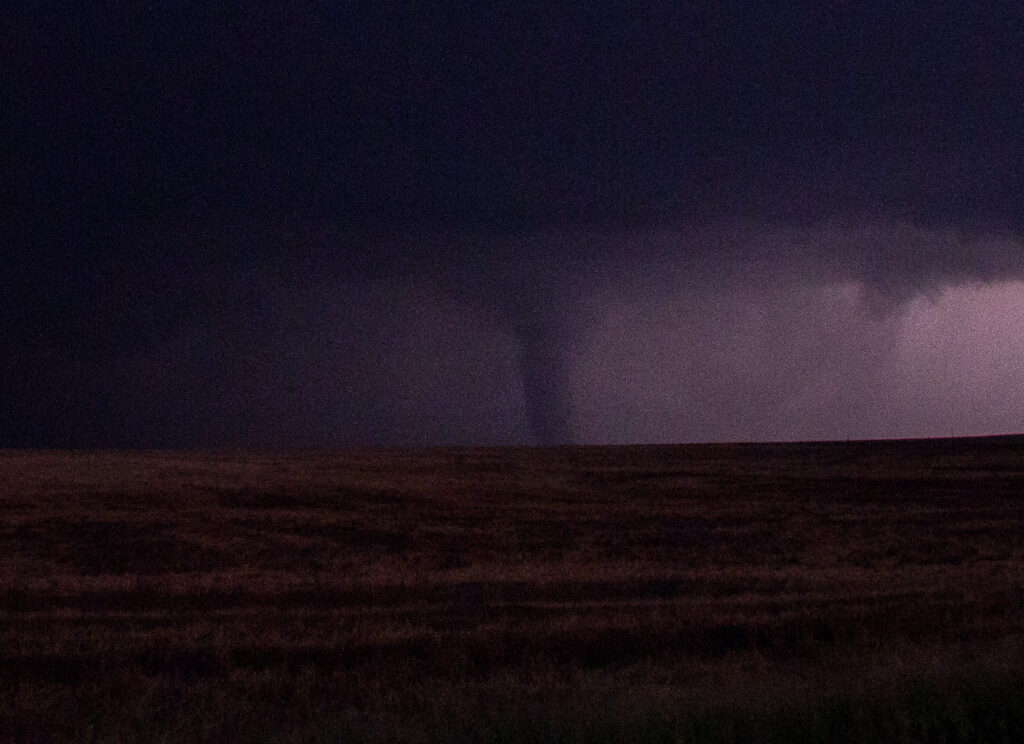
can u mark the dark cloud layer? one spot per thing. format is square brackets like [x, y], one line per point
[340, 223]
[716, 332]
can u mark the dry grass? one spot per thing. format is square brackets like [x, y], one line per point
[692, 593]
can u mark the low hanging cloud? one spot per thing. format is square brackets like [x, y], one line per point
[811, 363]
[721, 332]
[737, 332]
[326, 364]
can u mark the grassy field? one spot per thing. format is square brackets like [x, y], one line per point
[867, 591]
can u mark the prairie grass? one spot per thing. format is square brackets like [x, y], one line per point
[867, 591]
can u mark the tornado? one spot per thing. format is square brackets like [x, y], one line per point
[533, 299]
[546, 392]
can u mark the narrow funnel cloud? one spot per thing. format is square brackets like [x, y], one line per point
[546, 385]
[529, 288]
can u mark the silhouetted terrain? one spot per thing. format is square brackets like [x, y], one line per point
[766, 592]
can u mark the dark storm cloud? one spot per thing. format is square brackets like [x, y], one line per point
[544, 337]
[802, 334]
[342, 223]
[732, 331]
[510, 117]
[326, 362]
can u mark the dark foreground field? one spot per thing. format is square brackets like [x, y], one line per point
[788, 593]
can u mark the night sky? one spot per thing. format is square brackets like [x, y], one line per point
[339, 224]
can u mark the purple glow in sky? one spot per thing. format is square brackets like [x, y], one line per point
[712, 334]
[745, 351]
[321, 224]
[815, 364]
